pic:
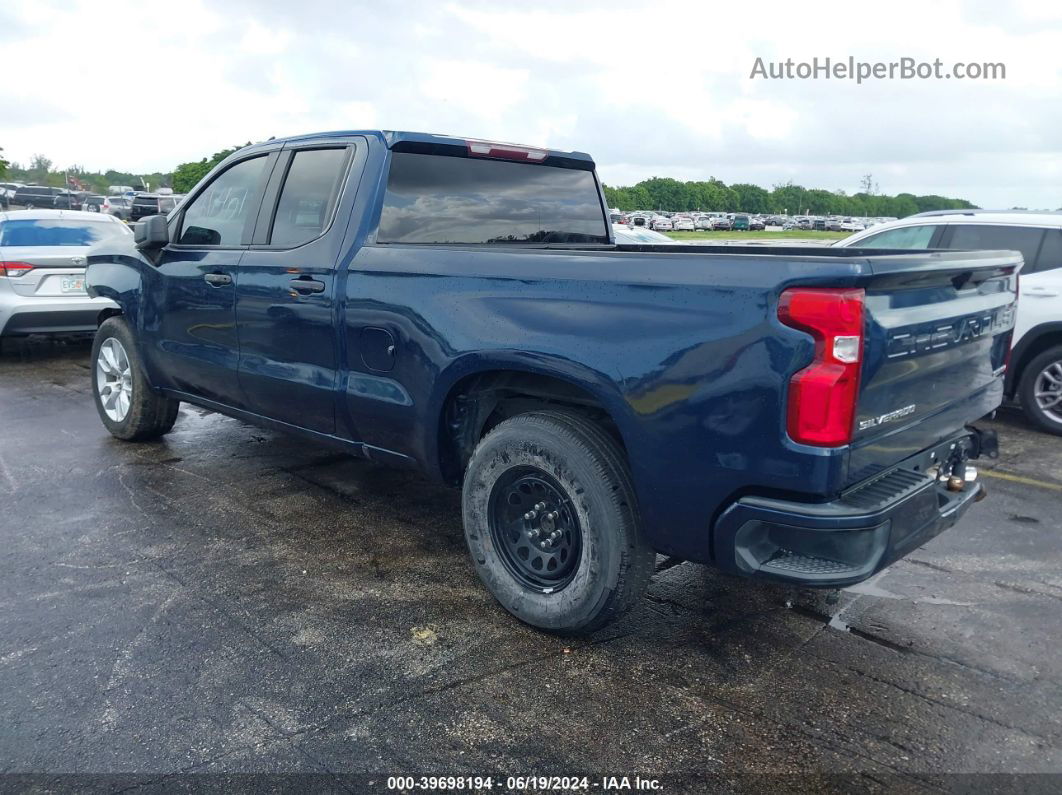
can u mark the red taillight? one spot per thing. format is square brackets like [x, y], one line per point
[478, 148]
[822, 396]
[14, 268]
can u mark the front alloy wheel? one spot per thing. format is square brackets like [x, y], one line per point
[1048, 391]
[114, 379]
[1040, 390]
[129, 408]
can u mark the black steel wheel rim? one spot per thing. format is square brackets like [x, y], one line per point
[535, 529]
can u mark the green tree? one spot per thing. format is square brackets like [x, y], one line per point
[186, 175]
[751, 198]
[3, 164]
[39, 168]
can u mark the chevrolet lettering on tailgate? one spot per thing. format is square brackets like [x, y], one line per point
[934, 336]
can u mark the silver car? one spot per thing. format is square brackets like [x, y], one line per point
[42, 270]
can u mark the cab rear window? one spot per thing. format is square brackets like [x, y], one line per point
[459, 200]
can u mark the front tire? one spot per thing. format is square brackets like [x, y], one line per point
[127, 405]
[551, 521]
[1040, 390]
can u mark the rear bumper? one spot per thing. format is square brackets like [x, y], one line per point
[846, 541]
[48, 315]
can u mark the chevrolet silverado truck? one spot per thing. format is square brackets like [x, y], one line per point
[460, 307]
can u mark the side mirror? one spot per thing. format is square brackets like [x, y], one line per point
[151, 232]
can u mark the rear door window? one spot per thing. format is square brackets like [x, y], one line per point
[974, 237]
[901, 237]
[460, 200]
[1050, 252]
[309, 195]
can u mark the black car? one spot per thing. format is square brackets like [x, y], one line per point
[145, 204]
[68, 201]
[31, 196]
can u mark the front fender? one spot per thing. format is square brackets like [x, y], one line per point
[119, 276]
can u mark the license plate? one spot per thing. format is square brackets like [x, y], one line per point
[72, 284]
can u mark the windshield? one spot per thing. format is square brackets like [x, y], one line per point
[57, 232]
[443, 199]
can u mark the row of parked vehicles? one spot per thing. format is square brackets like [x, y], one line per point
[130, 206]
[741, 222]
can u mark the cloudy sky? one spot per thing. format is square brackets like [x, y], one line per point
[648, 88]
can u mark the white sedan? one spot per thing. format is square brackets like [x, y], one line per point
[661, 224]
[642, 236]
[683, 223]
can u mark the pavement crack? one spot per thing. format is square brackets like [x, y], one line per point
[929, 565]
[938, 702]
[1006, 586]
[225, 612]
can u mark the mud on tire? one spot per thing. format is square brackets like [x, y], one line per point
[576, 472]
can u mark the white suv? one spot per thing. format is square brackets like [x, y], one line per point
[1034, 376]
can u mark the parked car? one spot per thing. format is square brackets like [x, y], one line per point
[852, 225]
[118, 206]
[34, 196]
[7, 192]
[756, 224]
[145, 204]
[641, 236]
[94, 204]
[703, 222]
[721, 222]
[740, 223]
[759, 410]
[683, 223]
[42, 270]
[1034, 374]
[68, 200]
[661, 224]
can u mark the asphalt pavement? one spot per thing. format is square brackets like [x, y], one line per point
[230, 600]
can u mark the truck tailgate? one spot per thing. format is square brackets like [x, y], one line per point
[936, 345]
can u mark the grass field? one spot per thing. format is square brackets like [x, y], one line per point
[790, 234]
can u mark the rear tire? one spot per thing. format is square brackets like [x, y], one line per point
[1043, 375]
[581, 561]
[127, 405]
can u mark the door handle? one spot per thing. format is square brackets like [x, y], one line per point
[217, 279]
[305, 285]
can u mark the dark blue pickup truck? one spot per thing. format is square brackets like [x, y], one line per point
[461, 307]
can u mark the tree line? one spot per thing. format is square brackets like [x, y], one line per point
[657, 193]
[665, 193]
[41, 171]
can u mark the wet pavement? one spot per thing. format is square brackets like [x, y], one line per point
[231, 600]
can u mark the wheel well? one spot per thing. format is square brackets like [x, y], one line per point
[479, 402]
[1041, 343]
[106, 313]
